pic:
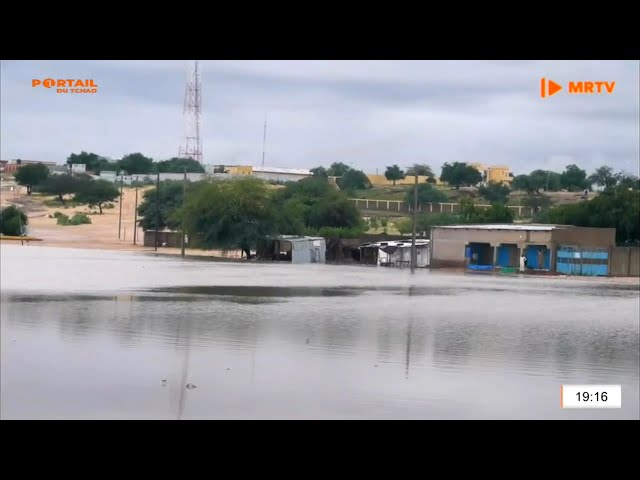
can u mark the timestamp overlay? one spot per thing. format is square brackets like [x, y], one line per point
[590, 396]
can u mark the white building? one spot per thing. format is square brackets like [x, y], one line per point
[281, 174]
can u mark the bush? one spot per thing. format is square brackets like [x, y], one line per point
[336, 232]
[13, 221]
[77, 219]
[62, 218]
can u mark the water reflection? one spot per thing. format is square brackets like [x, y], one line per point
[324, 350]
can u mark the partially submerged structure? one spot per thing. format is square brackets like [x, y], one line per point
[292, 248]
[553, 248]
[395, 253]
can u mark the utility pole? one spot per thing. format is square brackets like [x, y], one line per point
[155, 236]
[120, 214]
[184, 196]
[135, 218]
[548, 173]
[414, 218]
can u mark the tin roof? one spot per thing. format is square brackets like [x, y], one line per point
[295, 171]
[293, 238]
[397, 243]
[507, 226]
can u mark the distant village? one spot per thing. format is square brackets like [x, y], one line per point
[498, 248]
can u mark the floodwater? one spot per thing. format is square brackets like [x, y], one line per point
[112, 335]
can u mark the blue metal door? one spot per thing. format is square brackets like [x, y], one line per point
[574, 261]
[504, 257]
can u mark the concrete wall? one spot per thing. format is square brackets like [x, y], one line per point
[381, 180]
[448, 244]
[395, 206]
[128, 179]
[585, 236]
[625, 262]
[279, 177]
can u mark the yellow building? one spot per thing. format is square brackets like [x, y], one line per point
[381, 180]
[240, 170]
[493, 173]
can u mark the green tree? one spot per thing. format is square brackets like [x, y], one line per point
[574, 179]
[354, 180]
[13, 221]
[496, 213]
[460, 174]
[427, 193]
[394, 173]
[523, 183]
[61, 185]
[319, 172]
[94, 162]
[495, 192]
[31, 175]
[313, 198]
[604, 177]
[537, 202]
[290, 217]
[338, 169]
[169, 200]
[97, 192]
[420, 169]
[432, 180]
[229, 214]
[628, 181]
[136, 164]
[179, 165]
[544, 180]
[617, 208]
[333, 211]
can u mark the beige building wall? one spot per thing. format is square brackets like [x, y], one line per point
[585, 236]
[448, 244]
[494, 173]
[381, 180]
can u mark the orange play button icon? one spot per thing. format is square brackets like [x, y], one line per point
[548, 87]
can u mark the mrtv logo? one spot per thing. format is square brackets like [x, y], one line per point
[549, 87]
[67, 85]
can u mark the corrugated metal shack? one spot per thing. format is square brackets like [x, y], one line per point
[395, 253]
[292, 248]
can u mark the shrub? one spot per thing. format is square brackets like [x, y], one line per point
[62, 218]
[79, 219]
[13, 221]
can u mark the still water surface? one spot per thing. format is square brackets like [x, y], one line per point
[92, 334]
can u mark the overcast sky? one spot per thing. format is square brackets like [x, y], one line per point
[369, 114]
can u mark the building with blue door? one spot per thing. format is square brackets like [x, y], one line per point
[547, 248]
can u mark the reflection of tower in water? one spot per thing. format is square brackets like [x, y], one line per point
[178, 382]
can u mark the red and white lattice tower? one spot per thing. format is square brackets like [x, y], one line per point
[192, 147]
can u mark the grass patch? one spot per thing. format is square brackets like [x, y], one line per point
[77, 219]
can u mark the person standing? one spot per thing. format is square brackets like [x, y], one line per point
[523, 262]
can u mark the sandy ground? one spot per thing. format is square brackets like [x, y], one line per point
[101, 234]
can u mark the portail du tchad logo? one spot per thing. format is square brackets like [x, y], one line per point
[67, 85]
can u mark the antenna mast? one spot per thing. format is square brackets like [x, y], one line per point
[192, 111]
[264, 140]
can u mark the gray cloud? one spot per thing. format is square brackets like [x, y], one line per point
[366, 113]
